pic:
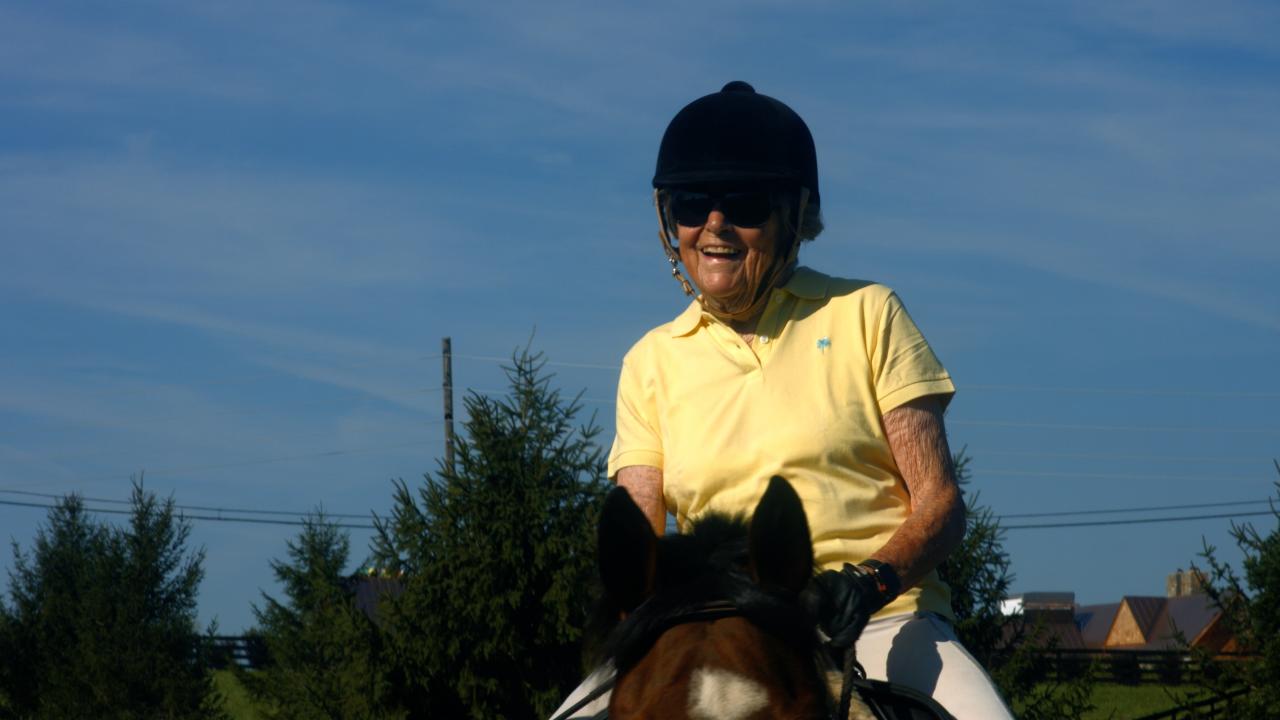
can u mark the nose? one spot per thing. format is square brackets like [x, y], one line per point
[715, 221]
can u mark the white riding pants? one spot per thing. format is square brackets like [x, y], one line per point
[918, 650]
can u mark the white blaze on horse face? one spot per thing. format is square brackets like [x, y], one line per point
[718, 694]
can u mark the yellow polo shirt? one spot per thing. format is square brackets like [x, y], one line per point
[803, 401]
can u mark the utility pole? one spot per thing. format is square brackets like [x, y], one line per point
[446, 353]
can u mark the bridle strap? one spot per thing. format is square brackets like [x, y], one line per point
[721, 609]
[853, 671]
[707, 612]
[596, 692]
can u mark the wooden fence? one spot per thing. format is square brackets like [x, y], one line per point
[1128, 667]
[246, 651]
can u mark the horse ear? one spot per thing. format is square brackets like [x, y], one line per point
[780, 546]
[627, 550]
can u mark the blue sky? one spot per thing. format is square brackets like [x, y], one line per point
[233, 235]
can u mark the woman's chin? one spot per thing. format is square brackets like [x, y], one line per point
[719, 286]
[721, 294]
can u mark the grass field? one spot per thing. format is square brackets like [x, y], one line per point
[238, 703]
[1124, 702]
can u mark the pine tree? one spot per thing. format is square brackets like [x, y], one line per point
[1250, 607]
[498, 553]
[979, 574]
[103, 622]
[12, 662]
[327, 657]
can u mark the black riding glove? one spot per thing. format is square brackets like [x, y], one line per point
[842, 602]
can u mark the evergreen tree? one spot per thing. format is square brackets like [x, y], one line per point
[11, 662]
[498, 553]
[979, 574]
[103, 622]
[1250, 607]
[327, 658]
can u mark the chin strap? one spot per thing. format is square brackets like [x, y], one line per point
[777, 271]
[664, 234]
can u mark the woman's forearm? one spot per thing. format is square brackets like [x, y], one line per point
[644, 484]
[936, 524]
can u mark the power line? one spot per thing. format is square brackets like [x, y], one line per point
[200, 508]
[208, 518]
[356, 526]
[1111, 511]
[1106, 456]
[1135, 521]
[1120, 391]
[1058, 426]
[1099, 476]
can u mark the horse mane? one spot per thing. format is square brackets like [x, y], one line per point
[706, 565]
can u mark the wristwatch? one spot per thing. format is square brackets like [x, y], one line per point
[887, 580]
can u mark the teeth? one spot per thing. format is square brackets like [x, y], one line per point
[719, 251]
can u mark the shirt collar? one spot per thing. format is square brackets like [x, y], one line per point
[805, 283]
[689, 320]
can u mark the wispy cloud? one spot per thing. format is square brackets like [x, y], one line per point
[120, 226]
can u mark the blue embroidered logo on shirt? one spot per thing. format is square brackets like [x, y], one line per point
[823, 344]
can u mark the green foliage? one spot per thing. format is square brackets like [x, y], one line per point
[498, 553]
[1250, 607]
[979, 575]
[10, 670]
[102, 622]
[327, 657]
[1021, 676]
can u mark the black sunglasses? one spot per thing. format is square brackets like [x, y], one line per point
[743, 209]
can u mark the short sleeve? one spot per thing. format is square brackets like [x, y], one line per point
[638, 440]
[903, 365]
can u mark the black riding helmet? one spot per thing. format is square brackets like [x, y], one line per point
[737, 137]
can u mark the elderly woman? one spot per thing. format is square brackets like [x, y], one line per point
[777, 369]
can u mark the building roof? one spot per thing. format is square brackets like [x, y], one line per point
[1145, 611]
[1094, 622]
[1186, 618]
[1058, 627]
[1151, 623]
[1137, 622]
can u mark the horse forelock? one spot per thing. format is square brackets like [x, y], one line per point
[707, 565]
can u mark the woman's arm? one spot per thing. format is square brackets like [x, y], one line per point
[935, 526]
[644, 483]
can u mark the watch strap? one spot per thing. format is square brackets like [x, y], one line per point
[887, 580]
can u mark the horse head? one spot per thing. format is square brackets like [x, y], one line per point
[711, 626]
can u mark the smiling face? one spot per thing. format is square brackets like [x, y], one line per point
[726, 261]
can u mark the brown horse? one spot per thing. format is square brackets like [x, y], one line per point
[711, 623]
